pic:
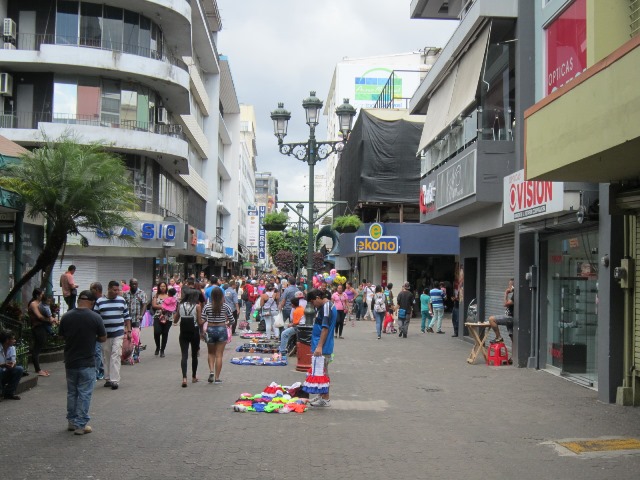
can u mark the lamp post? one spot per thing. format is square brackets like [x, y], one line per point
[299, 209]
[312, 151]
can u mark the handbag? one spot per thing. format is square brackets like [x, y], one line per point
[278, 321]
[228, 334]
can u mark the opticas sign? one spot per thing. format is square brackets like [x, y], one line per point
[528, 199]
[377, 242]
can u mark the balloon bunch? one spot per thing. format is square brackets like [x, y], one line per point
[340, 280]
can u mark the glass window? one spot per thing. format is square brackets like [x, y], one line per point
[90, 25]
[143, 109]
[65, 99]
[67, 23]
[129, 106]
[145, 37]
[113, 27]
[131, 32]
[89, 101]
[157, 43]
[110, 114]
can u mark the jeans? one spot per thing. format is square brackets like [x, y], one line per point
[340, 322]
[437, 318]
[80, 383]
[9, 379]
[186, 340]
[379, 316]
[286, 313]
[99, 364]
[454, 319]
[403, 324]
[268, 322]
[358, 309]
[70, 301]
[112, 353]
[247, 313]
[425, 316]
[284, 339]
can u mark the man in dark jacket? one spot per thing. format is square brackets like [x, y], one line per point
[405, 301]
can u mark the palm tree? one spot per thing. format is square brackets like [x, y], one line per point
[75, 188]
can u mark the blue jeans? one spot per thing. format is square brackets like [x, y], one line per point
[379, 319]
[286, 313]
[80, 383]
[9, 379]
[425, 316]
[437, 319]
[284, 339]
[99, 366]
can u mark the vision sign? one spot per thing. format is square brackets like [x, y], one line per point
[524, 199]
[377, 242]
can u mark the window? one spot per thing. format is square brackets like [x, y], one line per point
[110, 103]
[171, 198]
[90, 25]
[145, 37]
[131, 32]
[67, 23]
[89, 101]
[113, 28]
[129, 106]
[65, 99]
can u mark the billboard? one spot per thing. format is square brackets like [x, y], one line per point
[525, 199]
[253, 228]
[262, 236]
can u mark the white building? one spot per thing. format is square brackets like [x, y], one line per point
[145, 78]
[362, 80]
[247, 199]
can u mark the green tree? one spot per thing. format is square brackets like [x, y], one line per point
[75, 188]
[291, 241]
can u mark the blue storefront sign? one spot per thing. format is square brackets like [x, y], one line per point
[376, 241]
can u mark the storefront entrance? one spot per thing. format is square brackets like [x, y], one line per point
[572, 313]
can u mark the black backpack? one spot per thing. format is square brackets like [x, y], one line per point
[188, 324]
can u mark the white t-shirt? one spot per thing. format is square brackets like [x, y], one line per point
[369, 291]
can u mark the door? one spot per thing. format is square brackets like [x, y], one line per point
[27, 30]
[24, 107]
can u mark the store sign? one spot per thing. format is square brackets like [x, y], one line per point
[146, 234]
[524, 199]
[457, 181]
[202, 240]
[428, 197]
[253, 228]
[262, 235]
[376, 241]
[566, 46]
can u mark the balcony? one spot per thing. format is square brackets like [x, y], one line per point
[165, 143]
[587, 130]
[161, 71]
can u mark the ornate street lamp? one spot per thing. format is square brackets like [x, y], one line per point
[312, 151]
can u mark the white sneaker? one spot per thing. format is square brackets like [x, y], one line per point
[320, 402]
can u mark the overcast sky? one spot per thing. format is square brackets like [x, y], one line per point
[279, 50]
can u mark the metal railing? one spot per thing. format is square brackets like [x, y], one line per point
[30, 120]
[634, 17]
[388, 97]
[33, 41]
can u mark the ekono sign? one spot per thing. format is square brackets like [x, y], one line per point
[377, 242]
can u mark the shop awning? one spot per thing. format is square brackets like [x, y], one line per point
[457, 92]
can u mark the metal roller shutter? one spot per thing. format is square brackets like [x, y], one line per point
[499, 269]
[85, 272]
[114, 268]
[143, 271]
[636, 330]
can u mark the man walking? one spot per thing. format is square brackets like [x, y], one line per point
[288, 294]
[437, 307]
[117, 322]
[405, 308]
[136, 301]
[69, 287]
[81, 328]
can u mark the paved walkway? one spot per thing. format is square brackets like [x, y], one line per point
[402, 409]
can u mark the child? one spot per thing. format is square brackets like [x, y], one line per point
[45, 310]
[387, 326]
[170, 304]
[425, 299]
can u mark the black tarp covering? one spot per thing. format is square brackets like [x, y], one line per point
[379, 163]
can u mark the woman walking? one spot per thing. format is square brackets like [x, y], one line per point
[161, 324]
[340, 302]
[39, 324]
[270, 309]
[189, 315]
[379, 309]
[218, 316]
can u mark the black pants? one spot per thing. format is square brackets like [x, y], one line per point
[189, 339]
[70, 301]
[39, 341]
[161, 332]
[454, 319]
[235, 322]
[340, 322]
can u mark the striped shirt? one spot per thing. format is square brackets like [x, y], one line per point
[224, 315]
[114, 313]
[437, 298]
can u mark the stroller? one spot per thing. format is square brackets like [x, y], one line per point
[128, 348]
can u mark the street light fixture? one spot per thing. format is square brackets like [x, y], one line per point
[312, 151]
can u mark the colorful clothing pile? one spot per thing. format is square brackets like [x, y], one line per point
[274, 399]
[317, 382]
[274, 361]
[252, 335]
[258, 348]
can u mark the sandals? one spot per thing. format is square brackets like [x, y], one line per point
[43, 373]
[195, 380]
[184, 383]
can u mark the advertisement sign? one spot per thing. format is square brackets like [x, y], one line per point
[202, 240]
[377, 242]
[566, 39]
[524, 199]
[262, 235]
[428, 197]
[457, 181]
[253, 228]
[145, 234]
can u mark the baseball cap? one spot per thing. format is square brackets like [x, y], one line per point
[87, 295]
[253, 282]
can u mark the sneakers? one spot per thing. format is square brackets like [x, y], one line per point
[71, 427]
[497, 340]
[83, 431]
[114, 386]
[440, 332]
[108, 384]
[217, 381]
[211, 378]
[429, 330]
[378, 337]
[320, 402]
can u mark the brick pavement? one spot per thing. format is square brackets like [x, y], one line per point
[402, 409]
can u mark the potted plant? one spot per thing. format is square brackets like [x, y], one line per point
[275, 221]
[347, 223]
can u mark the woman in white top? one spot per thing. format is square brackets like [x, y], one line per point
[270, 309]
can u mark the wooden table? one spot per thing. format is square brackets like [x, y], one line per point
[479, 341]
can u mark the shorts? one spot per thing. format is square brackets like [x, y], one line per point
[216, 334]
[505, 320]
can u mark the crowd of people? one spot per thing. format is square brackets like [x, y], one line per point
[104, 326]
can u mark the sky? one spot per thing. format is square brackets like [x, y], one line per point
[280, 50]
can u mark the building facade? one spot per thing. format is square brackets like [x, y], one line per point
[145, 79]
[247, 240]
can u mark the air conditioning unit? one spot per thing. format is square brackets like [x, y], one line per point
[9, 29]
[163, 116]
[6, 84]
[8, 46]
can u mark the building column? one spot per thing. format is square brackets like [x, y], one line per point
[523, 332]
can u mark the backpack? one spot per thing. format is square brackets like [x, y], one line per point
[245, 294]
[379, 304]
[188, 324]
